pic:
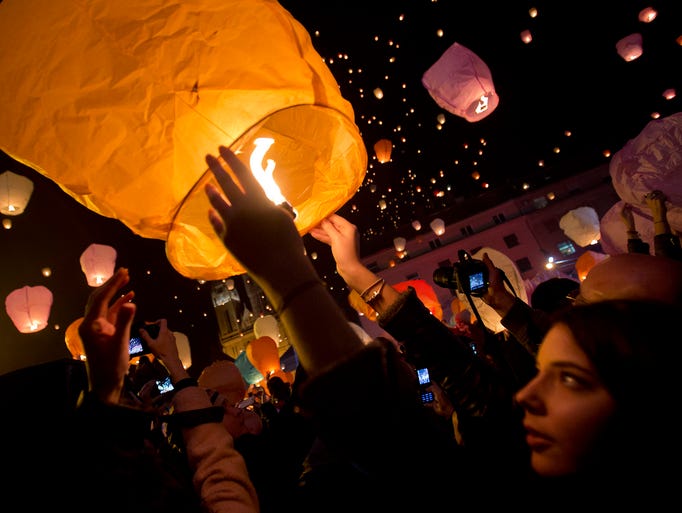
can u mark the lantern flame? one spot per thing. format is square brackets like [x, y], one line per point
[482, 105]
[265, 176]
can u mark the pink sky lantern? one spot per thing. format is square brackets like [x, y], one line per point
[29, 308]
[630, 47]
[15, 191]
[461, 83]
[647, 15]
[581, 225]
[97, 263]
[526, 36]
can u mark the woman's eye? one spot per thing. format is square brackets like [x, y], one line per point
[570, 380]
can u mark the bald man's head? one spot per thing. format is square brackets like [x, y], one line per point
[633, 276]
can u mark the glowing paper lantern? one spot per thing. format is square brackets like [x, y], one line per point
[647, 15]
[416, 225]
[382, 149]
[29, 308]
[461, 83]
[425, 293]
[267, 326]
[139, 93]
[73, 340]
[581, 225]
[587, 261]
[399, 244]
[263, 354]
[438, 226]
[630, 47]
[526, 36]
[15, 191]
[652, 161]
[97, 263]
[669, 94]
[184, 351]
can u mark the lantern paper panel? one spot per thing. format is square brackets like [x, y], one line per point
[461, 83]
[651, 161]
[73, 340]
[614, 237]
[29, 308]
[15, 192]
[581, 225]
[98, 263]
[184, 350]
[178, 79]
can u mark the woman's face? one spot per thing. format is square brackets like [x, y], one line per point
[565, 406]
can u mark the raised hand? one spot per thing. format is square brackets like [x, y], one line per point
[105, 332]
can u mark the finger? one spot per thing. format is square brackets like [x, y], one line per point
[320, 234]
[227, 184]
[217, 223]
[124, 320]
[241, 171]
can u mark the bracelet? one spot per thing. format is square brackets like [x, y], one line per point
[185, 383]
[295, 292]
[369, 300]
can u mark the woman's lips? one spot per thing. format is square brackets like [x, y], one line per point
[536, 440]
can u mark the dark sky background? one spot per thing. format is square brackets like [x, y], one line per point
[569, 79]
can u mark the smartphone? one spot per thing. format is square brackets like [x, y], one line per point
[164, 385]
[424, 383]
[136, 345]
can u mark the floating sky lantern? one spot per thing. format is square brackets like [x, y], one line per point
[437, 226]
[29, 308]
[581, 225]
[526, 36]
[267, 326]
[383, 149]
[263, 354]
[630, 47]
[15, 192]
[461, 83]
[587, 261]
[647, 15]
[97, 263]
[399, 244]
[155, 86]
[416, 225]
[184, 350]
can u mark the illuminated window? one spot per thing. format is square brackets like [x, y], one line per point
[566, 248]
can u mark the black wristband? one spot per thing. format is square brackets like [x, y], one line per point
[184, 383]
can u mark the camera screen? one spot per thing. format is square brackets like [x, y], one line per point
[135, 346]
[476, 281]
[423, 375]
[164, 385]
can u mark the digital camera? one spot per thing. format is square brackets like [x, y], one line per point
[469, 276]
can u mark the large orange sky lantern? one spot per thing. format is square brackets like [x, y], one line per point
[121, 113]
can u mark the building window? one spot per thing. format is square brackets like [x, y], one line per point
[524, 264]
[566, 248]
[511, 240]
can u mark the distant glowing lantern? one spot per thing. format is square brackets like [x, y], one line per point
[15, 191]
[630, 47]
[378, 93]
[382, 149]
[526, 36]
[416, 225]
[29, 308]
[178, 80]
[669, 94]
[97, 263]
[440, 118]
[399, 244]
[382, 204]
[7, 223]
[73, 340]
[587, 261]
[229, 284]
[647, 15]
[581, 225]
[438, 226]
[461, 83]
[184, 350]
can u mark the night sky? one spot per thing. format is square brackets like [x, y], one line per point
[567, 102]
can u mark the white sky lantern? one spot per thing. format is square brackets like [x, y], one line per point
[526, 36]
[267, 326]
[416, 225]
[630, 47]
[647, 15]
[438, 226]
[29, 308]
[184, 351]
[178, 79]
[461, 83]
[581, 225]
[97, 263]
[399, 244]
[15, 192]
[441, 118]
